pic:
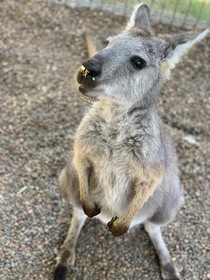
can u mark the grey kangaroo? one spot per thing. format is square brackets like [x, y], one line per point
[123, 167]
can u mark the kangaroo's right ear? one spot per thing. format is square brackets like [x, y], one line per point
[176, 46]
[140, 17]
[180, 44]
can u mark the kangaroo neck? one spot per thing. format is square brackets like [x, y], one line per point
[110, 110]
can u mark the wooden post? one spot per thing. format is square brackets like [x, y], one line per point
[91, 49]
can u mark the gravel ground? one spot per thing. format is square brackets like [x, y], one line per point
[41, 48]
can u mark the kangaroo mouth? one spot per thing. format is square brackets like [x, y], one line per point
[84, 96]
[82, 89]
[86, 84]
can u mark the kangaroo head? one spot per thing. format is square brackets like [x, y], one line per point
[136, 63]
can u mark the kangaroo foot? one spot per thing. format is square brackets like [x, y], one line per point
[169, 272]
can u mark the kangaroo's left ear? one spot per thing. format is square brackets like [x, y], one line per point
[179, 44]
[140, 17]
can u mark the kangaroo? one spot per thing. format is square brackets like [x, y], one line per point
[123, 166]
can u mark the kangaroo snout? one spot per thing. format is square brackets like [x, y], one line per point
[89, 71]
[93, 67]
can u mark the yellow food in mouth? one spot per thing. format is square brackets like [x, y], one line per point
[84, 71]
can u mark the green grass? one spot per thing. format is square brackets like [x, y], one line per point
[191, 7]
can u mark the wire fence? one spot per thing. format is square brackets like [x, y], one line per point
[181, 13]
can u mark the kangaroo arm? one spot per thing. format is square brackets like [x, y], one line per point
[144, 190]
[84, 169]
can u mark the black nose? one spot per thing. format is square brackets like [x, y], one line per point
[93, 67]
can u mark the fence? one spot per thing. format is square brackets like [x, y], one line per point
[181, 13]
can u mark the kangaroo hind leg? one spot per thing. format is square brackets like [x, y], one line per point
[168, 269]
[66, 255]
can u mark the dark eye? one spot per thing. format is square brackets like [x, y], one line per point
[138, 62]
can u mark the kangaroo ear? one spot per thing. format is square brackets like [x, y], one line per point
[140, 17]
[180, 44]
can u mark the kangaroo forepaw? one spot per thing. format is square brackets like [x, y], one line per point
[91, 211]
[116, 227]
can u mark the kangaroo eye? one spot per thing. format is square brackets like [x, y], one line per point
[138, 62]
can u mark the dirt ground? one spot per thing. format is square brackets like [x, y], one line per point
[41, 49]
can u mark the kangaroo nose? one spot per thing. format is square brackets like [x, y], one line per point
[92, 67]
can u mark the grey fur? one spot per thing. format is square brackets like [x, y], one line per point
[123, 168]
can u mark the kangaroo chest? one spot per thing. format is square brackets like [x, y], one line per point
[112, 148]
[121, 149]
[114, 140]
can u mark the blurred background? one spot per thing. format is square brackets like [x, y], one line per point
[42, 46]
[183, 13]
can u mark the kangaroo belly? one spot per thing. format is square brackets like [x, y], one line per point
[113, 190]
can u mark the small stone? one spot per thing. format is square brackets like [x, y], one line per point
[191, 140]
